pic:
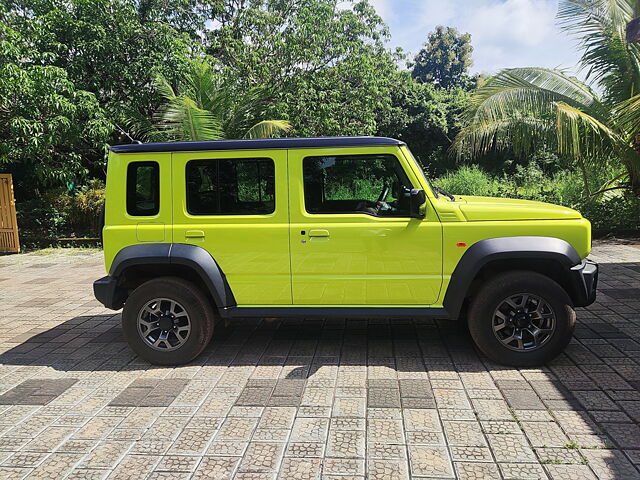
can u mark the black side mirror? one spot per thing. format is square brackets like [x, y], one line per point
[417, 198]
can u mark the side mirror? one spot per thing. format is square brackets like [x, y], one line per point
[417, 199]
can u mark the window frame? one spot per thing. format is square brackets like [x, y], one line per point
[355, 212]
[130, 189]
[232, 159]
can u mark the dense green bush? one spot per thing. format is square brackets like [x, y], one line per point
[61, 213]
[468, 180]
[613, 212]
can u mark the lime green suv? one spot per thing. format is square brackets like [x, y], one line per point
[198, 232]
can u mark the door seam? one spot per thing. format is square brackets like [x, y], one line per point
[289, 229]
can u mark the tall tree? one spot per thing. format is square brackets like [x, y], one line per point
[445, 59]
[325, 60]
[105, 47]
[51, 132]
[426, 117]
[519, 108]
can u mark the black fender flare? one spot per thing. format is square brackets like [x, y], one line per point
[191, 256]
[503, 248]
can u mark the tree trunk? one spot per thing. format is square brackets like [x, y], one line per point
[634, 172]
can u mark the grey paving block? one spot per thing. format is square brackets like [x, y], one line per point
[383, 398]
[36, 391]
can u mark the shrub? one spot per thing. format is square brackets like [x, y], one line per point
[87, 208]
[467, 180]
[60, 213]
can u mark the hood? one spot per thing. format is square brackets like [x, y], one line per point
[491, 208]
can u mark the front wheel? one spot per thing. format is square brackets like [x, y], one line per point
[521, 319]
[167, 321]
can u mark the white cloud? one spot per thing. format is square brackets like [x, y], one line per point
[384, 9]
[505, 33]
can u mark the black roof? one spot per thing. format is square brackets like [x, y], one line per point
[257, 144]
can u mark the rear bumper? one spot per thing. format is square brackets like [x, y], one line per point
[585, 280]
[108, 293]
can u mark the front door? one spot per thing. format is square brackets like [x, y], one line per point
[235, 205]
[352, 241]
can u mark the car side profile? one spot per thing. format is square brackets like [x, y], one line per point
[201, 232]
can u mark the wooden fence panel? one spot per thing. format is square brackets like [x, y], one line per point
[8, 224]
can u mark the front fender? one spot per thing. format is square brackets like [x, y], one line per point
[504, 248]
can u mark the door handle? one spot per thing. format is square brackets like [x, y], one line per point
[194, 234]
[319, 233]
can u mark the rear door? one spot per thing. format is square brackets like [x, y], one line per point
[234, 204]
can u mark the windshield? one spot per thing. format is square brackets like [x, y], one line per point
[424, 176]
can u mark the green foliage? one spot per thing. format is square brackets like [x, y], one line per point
[445, 59]
[425, 117]
[76, 75]
[468, 180]
[61, 213]
[615, 212]
[105, 48]
[326, 65]
[49, 129]
[86, 209]
[522, 108]
[205, 108]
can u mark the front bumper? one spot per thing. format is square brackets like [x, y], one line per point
[108, 293]
[585, 281]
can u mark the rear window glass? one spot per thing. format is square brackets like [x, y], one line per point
[143, 189]
[243, 186]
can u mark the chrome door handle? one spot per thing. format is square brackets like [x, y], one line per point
[194, 234]
[319, 233]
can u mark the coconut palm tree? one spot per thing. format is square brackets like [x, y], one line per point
[205, 108]
[521, 108]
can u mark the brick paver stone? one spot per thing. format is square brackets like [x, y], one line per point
[309, 399]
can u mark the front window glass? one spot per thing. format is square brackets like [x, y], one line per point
[424, 175]
[231, 186]
[371, 184]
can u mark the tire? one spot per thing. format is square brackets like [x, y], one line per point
[506, 292]
[191, 308]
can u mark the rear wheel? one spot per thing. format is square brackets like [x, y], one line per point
[167, 321]
[521, 318]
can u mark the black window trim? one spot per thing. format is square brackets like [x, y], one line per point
[395, 217]
[130, 188]
[186, 199]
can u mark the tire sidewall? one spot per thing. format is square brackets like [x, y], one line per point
[194, 303]
[513, 283]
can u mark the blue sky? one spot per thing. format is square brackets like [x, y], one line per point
[505, 33]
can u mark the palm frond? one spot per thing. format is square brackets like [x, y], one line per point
[627, 114]
[528, 91]
[555, 82]
[516, 110]
[520, 134]
[583, 18]
[180, 118]
[581, 135]
[208, 108]
[268, 129]
[599, 26]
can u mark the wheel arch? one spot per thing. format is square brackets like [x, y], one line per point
[135, 264]
[552, 257]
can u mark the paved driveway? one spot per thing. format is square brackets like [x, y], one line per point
[330, 399]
